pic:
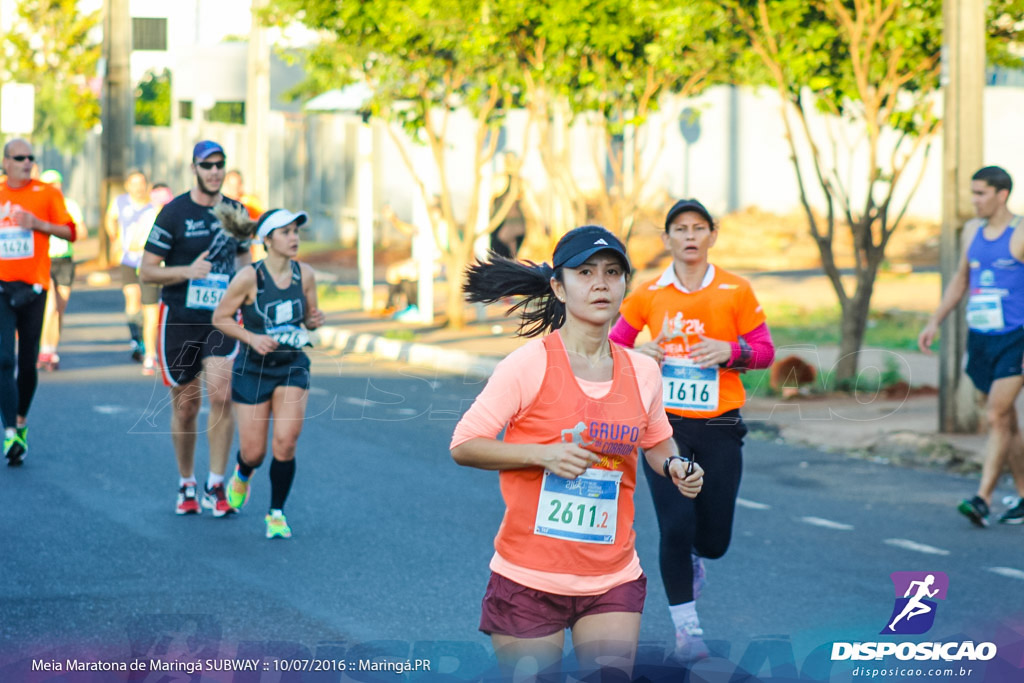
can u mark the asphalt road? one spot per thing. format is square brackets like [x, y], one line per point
[392, 540]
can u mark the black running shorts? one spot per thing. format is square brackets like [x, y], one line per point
[255, 378]
[62, 270]
[150, 292]
[994, 356]
[182, 346]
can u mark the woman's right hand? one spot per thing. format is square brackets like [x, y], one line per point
[927, 336]
[262, 344]
[567, 460]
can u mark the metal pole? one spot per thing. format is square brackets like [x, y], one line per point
[962, 149]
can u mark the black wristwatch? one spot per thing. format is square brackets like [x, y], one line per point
[668, 463]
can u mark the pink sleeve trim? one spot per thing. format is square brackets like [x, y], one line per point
[623, 333]
[754, 351]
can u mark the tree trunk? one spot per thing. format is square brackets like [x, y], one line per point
[456, 304]
[853, 326]
[456, 261]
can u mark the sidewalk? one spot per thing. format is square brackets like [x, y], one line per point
[902, 430]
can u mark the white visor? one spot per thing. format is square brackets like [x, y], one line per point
[278, 218]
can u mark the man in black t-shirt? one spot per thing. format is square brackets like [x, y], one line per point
[190, 254]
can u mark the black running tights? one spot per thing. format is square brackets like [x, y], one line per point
[702, 525]
[27, 321]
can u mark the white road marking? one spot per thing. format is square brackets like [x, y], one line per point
[1008, 572]
[110, 409]
[406, 411]
[826, 523]
[744, 503]
[915, 546]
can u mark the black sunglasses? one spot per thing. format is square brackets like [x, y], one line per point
[207, 165]
[23, 157]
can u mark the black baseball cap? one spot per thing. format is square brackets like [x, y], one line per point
[687, 205]
[579, 244]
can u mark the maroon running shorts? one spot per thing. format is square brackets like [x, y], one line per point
[511, 609]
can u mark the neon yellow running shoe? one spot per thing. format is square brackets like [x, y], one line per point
[15, 449]
[277, 525]
[238, 491]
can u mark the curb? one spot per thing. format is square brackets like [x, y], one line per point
[421, 355]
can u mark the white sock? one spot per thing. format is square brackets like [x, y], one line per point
[189, 480]
[214, 479]
[684, 616]
[9, 432]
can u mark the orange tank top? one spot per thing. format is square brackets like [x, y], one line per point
[582, 526]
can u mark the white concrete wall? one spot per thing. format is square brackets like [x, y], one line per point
[765, 176]
[191, 24]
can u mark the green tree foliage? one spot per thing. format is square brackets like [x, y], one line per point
[424, 59]
[227, 112]
[51, 46]
[153, 99]
[610, 63]
[873, 68]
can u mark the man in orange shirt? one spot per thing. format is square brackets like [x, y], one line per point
[707, 327]
[30, 211]
[234, 188]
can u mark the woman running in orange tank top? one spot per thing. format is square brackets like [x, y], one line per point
[576, 409]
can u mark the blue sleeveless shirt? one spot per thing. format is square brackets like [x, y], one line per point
[995, 303]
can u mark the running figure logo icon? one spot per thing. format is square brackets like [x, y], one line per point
[914, 612]
[575, 435]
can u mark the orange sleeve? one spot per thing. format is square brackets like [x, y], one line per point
[511, 388]
[750, 315]
[635, 308]
[648, 377]
[54, 210]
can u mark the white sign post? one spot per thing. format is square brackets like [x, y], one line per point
[17, 108]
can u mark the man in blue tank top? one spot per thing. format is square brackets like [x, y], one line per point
[991, 275]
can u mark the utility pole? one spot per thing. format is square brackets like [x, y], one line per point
[257, 107]
[962, 155]
[118, 108]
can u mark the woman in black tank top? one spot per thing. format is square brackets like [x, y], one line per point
[277, 299]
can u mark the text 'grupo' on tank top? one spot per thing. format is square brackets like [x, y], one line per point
[995, 303]
[277, 312]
